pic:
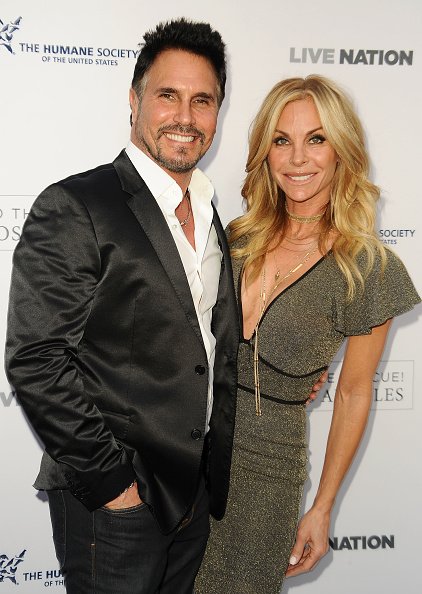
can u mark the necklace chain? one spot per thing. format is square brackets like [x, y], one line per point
[278, 280]
[296, 241]
[290, 249]
[263, 300]
[187, 219]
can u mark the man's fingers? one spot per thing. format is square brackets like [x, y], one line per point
[317, 387]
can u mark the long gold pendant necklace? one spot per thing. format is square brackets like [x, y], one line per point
[263, 300]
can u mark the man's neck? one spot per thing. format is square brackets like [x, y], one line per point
[181, 179]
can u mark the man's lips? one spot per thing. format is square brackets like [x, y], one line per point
[183, 134]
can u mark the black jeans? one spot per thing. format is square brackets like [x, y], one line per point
[123, 551]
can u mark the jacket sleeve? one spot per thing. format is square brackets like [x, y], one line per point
[56, 269]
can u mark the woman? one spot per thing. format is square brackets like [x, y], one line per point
[310, 273]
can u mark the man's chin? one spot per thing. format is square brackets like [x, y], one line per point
[180, 168]
[178, 165]
[178, 162]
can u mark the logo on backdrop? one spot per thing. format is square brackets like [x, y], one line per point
[7, 32]
[359, 543]
[367, 57]
[56, 53]
[392, 383]
[9, 567]
[13, 212]
[394, 236]
[8, 398]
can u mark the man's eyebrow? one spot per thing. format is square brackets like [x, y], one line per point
[169, 90]
[205, 95]
[173, 91]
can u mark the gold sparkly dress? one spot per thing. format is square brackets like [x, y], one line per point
[299, 334]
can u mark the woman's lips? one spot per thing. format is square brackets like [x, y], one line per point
[300, 178]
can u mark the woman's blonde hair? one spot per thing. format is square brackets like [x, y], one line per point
[352, 210]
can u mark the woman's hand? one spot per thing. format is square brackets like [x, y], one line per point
[351, 408]
[311, 542]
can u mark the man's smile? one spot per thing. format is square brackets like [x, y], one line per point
[179, 137]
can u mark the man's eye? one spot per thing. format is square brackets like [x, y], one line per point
[202, 101]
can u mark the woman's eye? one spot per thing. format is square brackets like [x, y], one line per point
[281, 141]
[317, 139]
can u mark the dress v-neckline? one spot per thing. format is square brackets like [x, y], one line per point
[239, 297]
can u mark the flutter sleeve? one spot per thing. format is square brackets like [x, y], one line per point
[387, 293]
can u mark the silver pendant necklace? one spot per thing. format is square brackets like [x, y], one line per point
[187, 219]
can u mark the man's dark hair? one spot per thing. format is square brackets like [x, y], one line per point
[197, 38]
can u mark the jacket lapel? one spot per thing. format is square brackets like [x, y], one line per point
[149, 216]
[225, 318]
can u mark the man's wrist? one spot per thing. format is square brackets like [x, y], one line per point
[132, 484]
[127, 498]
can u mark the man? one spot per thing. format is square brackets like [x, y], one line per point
[123, 335]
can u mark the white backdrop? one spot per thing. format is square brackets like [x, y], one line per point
[62, 113]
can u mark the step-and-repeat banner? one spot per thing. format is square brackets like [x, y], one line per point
[65, 72]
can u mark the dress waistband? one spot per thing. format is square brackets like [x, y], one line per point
[273, 398]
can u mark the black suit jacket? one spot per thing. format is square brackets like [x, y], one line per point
[105, 351]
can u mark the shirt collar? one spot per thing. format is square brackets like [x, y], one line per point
[163, 187]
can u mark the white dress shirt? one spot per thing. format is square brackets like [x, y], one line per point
[202, 266]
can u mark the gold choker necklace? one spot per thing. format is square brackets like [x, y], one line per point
[302, 219]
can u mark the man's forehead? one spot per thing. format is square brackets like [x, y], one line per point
[178, 68]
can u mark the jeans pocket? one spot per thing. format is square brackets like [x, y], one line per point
[58, 521]
[124, 510]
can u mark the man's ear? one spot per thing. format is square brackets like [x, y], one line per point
[134, 105]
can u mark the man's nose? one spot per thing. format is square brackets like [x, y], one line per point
[184, 113]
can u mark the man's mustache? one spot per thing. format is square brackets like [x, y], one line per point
[178, 128]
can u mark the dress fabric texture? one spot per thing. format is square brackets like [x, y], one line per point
[300, 333]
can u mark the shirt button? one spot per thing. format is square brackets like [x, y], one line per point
[196, 434]
[200, 370]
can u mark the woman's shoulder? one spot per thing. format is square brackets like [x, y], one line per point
[385, 262]
[238, 243]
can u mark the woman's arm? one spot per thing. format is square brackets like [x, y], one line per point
[351, 409]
